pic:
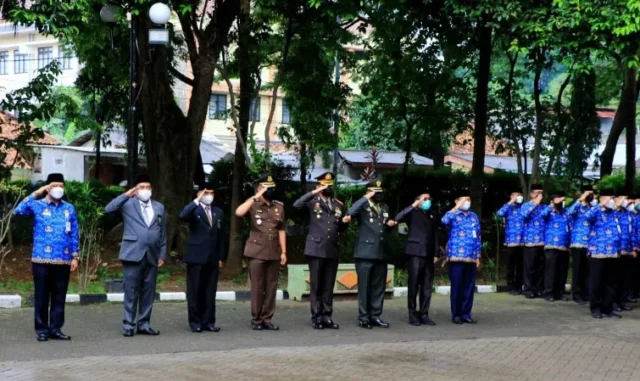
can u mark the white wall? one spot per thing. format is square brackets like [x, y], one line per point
[55, 160]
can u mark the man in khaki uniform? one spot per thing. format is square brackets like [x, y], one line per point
[265, 251]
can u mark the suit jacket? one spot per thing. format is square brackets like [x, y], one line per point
[372, 230]
[139, 239]
[206, 240]
[267, 220]
[422, 240]
[324, 225]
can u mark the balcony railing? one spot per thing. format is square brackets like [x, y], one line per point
[7, 27]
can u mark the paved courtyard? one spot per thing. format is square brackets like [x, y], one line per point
[514, 340]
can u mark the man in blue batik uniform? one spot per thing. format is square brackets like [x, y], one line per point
[556, 247]
[463, 255]
[533, 252]
[603, 250]
[625, 263]
[55, 254]
[580, 230]
[636, 249]
[513, 241]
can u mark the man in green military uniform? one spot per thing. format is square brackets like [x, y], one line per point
[371, 261]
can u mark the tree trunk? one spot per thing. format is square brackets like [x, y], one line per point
[630, 125]
[537, 144]
[303, 164]
[481, 110]
[626, 110]
[96, 172]
[513, 133]
[236, 244]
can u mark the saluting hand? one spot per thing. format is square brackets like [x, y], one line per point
[318, 190]
[459, 204]
[199, 196]
[369, 195]
[512, 199]
[132, 192]
[346, 219]
[260, 193]
[42, 190]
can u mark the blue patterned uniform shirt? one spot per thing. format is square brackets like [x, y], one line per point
[604, 239]
[636, 231]
[55, 230]
[625, 220]
[533, 224]
[514, 224]
[464, 236]
[580, 226]
[556, 232]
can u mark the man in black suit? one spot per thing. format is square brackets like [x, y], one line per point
[422, 249]
[205, 255]
[321, 248]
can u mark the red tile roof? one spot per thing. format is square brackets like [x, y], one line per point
[9, 129]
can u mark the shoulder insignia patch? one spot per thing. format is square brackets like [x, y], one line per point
[277, 202]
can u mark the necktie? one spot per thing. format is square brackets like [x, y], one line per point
[208, 211]
[147, 218]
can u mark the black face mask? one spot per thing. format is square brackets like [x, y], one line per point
[269, 194]
[377, 197]
[559, 206]
[589, 198]
[327, 192]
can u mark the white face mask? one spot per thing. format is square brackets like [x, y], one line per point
[56, 193]
[610, 204]
[630, 207]
[519, 199]
[144, 195]
[625, 203]
[207, 200]
[594, 202]
[466, 206]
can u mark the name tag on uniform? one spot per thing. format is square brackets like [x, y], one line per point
[473, 234]
[619, 229]
[67, 227]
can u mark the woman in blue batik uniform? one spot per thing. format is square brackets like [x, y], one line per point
[625, 263]
[603, 250]
[463, 255]
[556, 247]
[533, 252]
[513, 241]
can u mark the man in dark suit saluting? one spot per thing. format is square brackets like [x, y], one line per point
[204, 257]
[321, 248]
[142, 251]
[422, 252]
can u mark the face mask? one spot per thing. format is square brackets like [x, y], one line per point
[377, 197]
[625, 203]
[610, 204]
[466, 206]
[519, 199]
[425, 205]
[638, 207]
[594, 202]
[269, 194]
[589, 199]
[144, 195]
[207, 200]
[56, 193]
[630, 207]
[327, 192]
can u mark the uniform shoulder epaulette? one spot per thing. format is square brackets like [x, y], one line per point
[338, 201]
[277, 202]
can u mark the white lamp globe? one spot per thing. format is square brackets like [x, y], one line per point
[159, 13]
[109, 13]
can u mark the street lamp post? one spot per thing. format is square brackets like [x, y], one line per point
[159, 13]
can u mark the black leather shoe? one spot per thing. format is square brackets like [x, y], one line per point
[613, 315]
[330, 325]
[380, 323]
[364, 324]
[563, 298]
[529, 296]
[427, 321]
[318, 325]
[596, 315]
[59, 336]
[211, 328]
[127, 333]
[196, 330]
[256, 327]
[617, 308]
[468, 321]
[626, 308]
[456, 320]
[579, 300]
[148, 331]
[270, 326]
[414, 322]
[549, 298]
[631, 299]
[42, 337]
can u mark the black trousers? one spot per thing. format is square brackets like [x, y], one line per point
[602, 284]
[556, 265]
[636, 277]
[421, 274]
[202, 284]
[514, 268]
[50, 283]
[533, 273]
[372, 282]
[580, 273]
[625, 279]
[323, 278]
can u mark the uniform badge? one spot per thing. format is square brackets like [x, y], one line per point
[608, 232]
[338, 212]
[159, 219]
[46, 212]
[371, 220]
[318, 216]
[48, 229]
[47, 249]
[66, 213]
[461, 250]
[461, 234]
[555, 239]
[258, 222]
[385, 215]
[277, 212]
[66, 250]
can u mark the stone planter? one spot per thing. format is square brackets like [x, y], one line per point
[346, 281]
[114, 286]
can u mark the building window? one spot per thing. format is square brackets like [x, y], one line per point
[19, 62]
[45, 56]
[4, 63]
[64, 56]
[218, 106]
[254, 111]
[286, 113]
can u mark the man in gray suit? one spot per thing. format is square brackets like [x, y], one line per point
[143, 250]
[371, 262]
